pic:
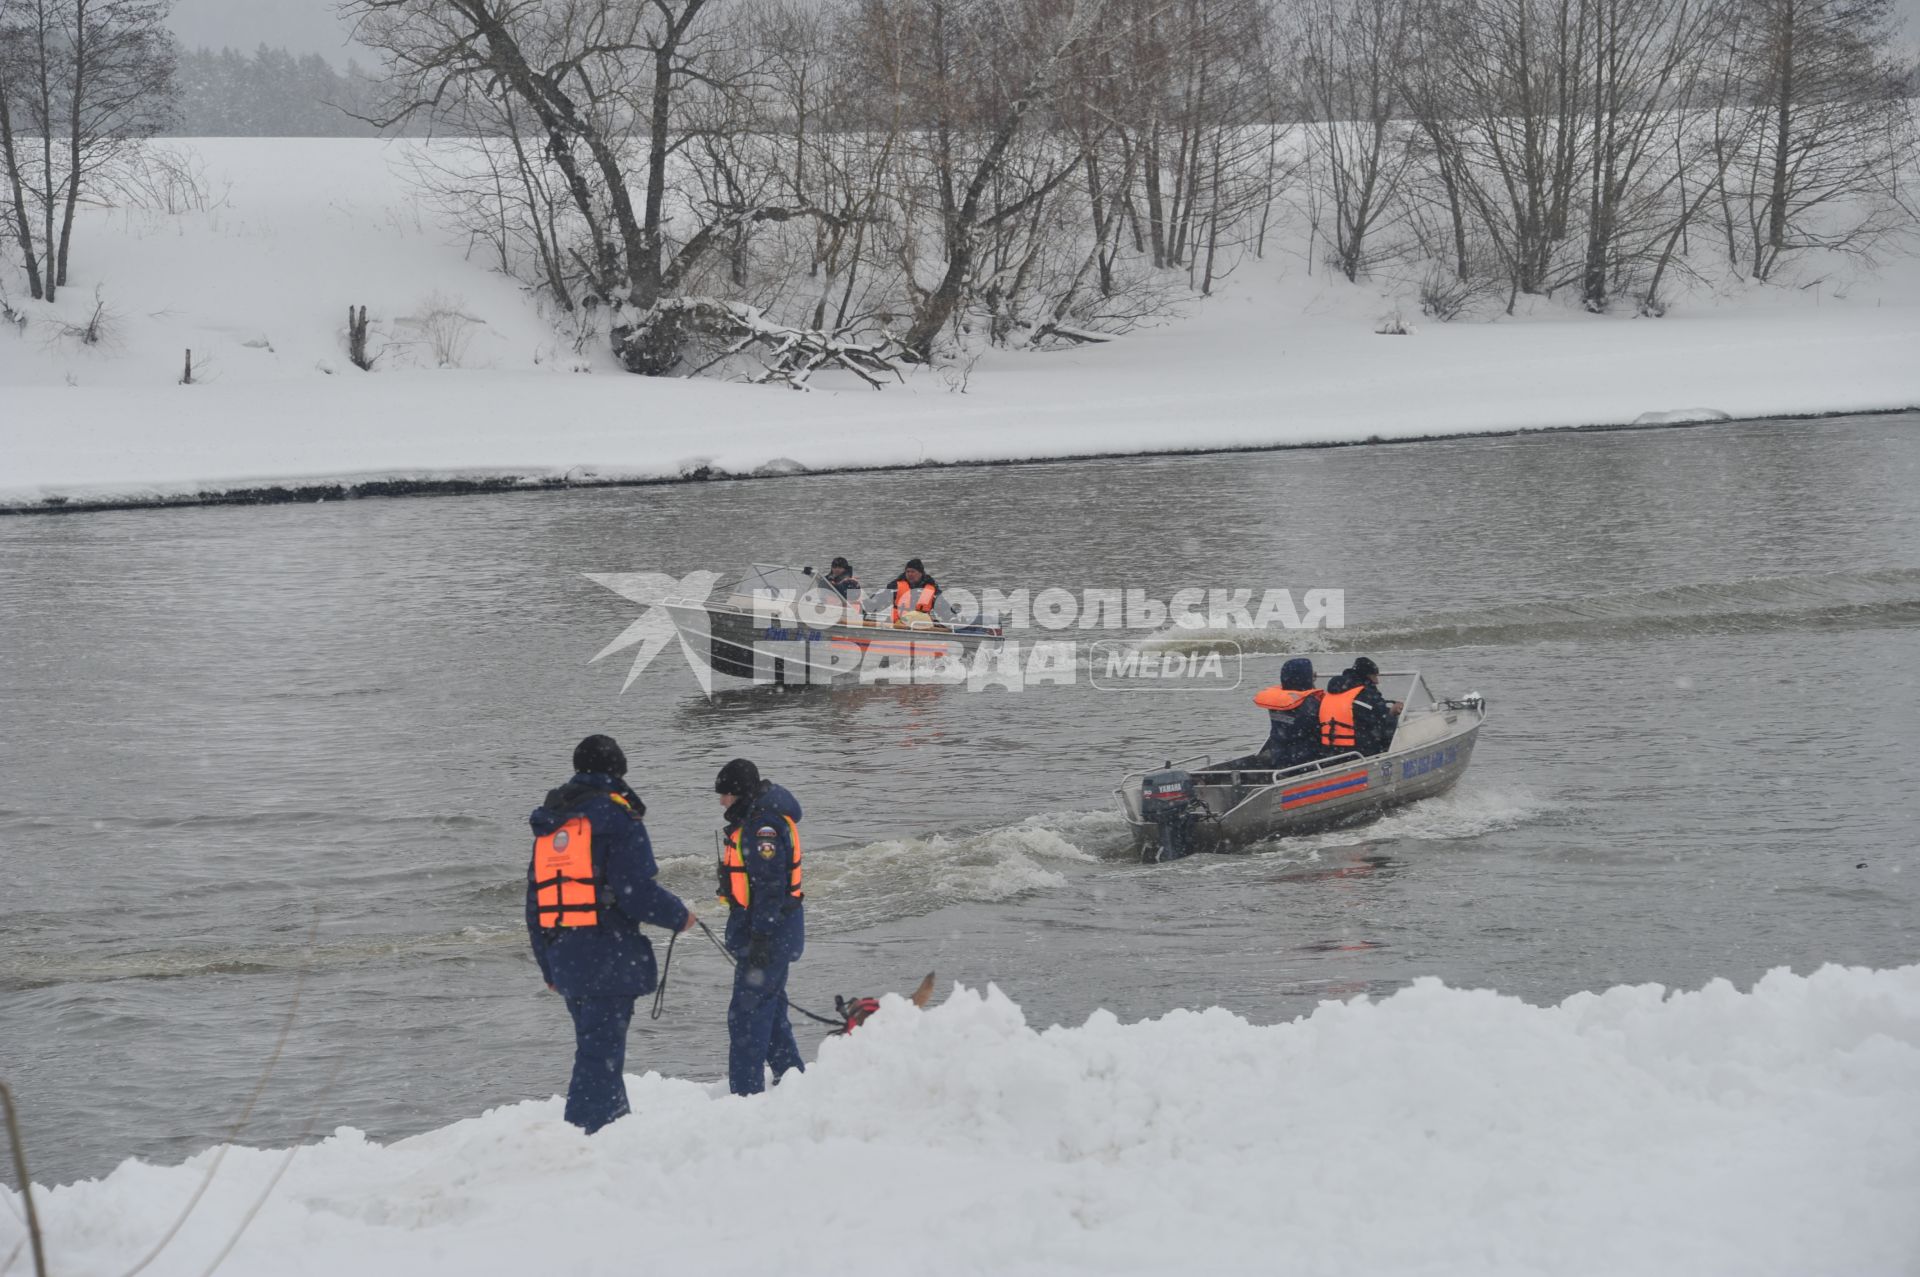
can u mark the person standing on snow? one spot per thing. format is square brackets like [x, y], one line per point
[589, 887]
[766, 922]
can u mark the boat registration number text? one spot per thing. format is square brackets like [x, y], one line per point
[1411, 767]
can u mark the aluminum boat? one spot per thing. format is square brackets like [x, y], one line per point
[783, 625]
[1198, 805]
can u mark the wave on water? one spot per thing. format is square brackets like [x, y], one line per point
[1467, 812]
[22, 971]
[850, 885]
[242, 820]
[856, 884]
[1759, 605]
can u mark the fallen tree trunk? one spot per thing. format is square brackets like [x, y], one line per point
[656, 340]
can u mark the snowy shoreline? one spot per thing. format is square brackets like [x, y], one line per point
[459, 482]
[1280, 357]
[1438, 1130]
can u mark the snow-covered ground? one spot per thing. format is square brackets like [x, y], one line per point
[258, 288]
[1438, 1131]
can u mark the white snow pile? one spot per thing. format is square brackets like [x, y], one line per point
[1681, 417]
[1437, 1131]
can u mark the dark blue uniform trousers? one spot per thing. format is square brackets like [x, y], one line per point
[758, 1031]
[598, 1093]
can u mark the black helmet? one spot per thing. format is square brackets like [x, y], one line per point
[738, 778]
[1365, 667]
[599, 754]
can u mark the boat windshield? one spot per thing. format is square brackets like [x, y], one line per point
[765, 583]
[1405, 686]
[772, 581]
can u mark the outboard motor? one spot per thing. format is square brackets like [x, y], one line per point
[1168, 803]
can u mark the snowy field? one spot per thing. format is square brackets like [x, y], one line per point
[1438, 1131]
[258, 285]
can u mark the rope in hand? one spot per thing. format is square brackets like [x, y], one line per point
[839, 1026]
[660, 992]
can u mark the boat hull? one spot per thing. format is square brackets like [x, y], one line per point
[739, 645]
[1246, 806]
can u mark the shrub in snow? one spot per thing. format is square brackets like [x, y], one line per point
[445, 329]
[99, 327]
[1445, 296]
[357, 340]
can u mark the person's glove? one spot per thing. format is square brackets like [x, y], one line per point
[760, 953]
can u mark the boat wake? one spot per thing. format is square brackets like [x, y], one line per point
[1467, 812]
[1760, 605]
[855, 885]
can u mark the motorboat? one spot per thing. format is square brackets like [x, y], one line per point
[1198, 805]
[773, 624]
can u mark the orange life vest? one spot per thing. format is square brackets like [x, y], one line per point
[904, 601]
[735, 888]
[1281, 699]
[566, 894]
[1336, 718]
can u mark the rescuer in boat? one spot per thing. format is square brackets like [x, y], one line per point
[766, 922]
[841, 580]
[589, 887]
[1294, 710]
[913, 591]
[1353, 713]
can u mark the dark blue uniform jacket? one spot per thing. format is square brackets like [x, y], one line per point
[774, 912]
[1294, 737]
[612, 959]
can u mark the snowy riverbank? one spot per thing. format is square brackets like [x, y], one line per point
[1438, 1131]
[257, 286]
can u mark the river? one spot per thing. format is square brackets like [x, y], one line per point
[265, 771]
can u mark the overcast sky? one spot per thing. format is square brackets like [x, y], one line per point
[312, 26]
[303, 26]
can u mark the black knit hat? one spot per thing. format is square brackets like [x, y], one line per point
[600, 754]
[738, 778]
[916, 565]
[1365, 667]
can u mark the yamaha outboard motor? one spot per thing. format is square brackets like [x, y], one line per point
[1168, 803]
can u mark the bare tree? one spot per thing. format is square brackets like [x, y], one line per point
[599, 80]
[975, 76]
[92, 81]
[1514, 118]
[1352, 66]
[1833, 131]
[14, 64]
[118, 86]
[1650, 61]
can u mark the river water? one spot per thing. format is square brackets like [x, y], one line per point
[267, 770]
